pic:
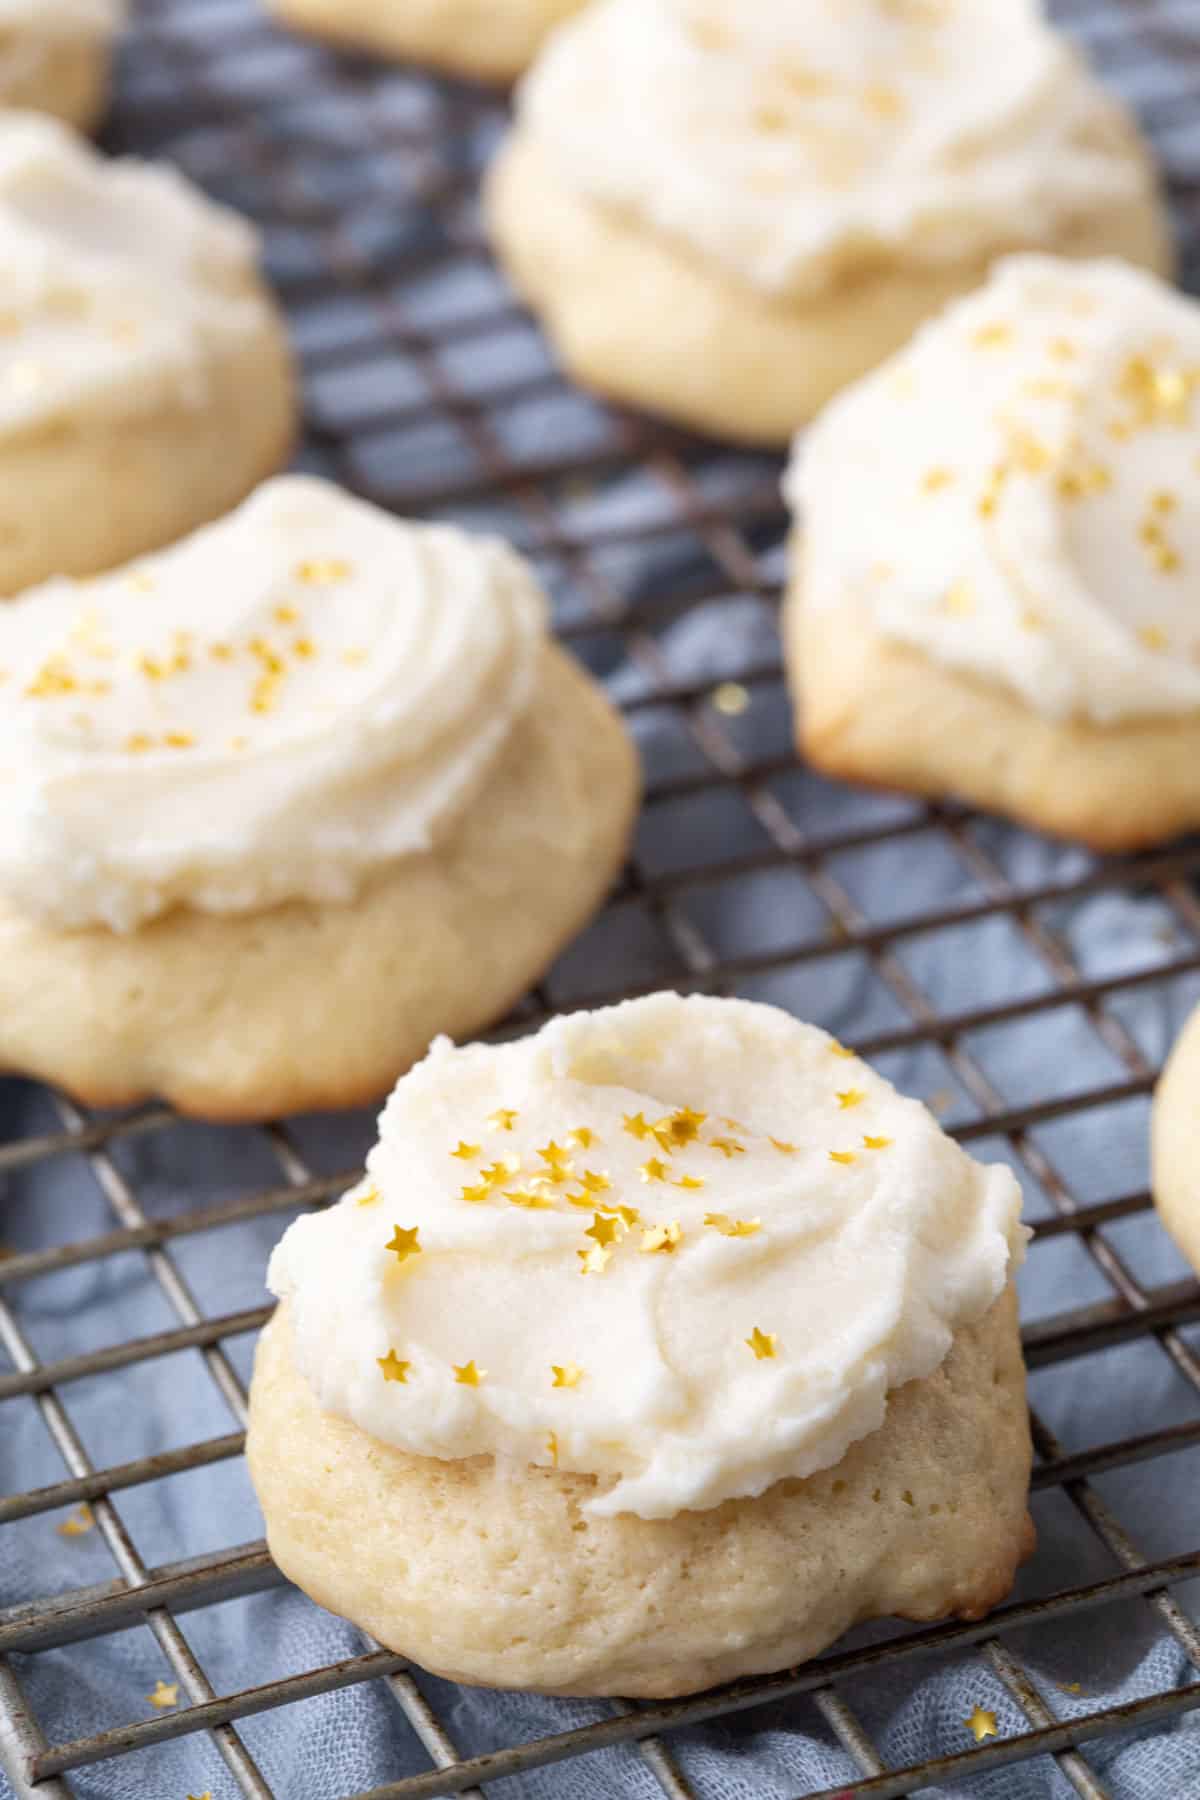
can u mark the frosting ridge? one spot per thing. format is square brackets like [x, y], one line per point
[687, 1246]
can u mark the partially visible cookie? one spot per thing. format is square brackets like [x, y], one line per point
[1176, 1143]
[490, 40]
[654, 1351]
[725, 213]
[993, 589]
[145, 379]
[284, 802]
[55, 54]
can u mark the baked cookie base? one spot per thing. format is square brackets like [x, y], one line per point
[68, 79]
[485, 40]
[80, 497]
[1175, 1142]
[875, 711]
[304, 1007]
[492, 1574]
[646, 323]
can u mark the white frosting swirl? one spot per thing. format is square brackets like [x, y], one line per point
[1015, 494]
[850, 1276]
[274, 708]
[119, 281]
[793, 143]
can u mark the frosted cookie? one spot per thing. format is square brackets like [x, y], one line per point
[283, 802]
[725, 213]
[995, 593]
[1176, 1143]
[653, 1350]
[145, 381]
[54, 56]
[490, 40]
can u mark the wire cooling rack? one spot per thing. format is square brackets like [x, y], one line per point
[429, 391]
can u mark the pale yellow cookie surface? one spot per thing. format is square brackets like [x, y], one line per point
[646, 322]
[1176, 1143]
[493, 1575]
[66, 78]
[76, 499]
[874, 710]
[308, 1006]
[491, 40]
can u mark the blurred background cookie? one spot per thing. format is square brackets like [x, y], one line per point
[286, 800]
[55, 54]
[993, 592]
[726, 213]
[145, 378]
[492, 40]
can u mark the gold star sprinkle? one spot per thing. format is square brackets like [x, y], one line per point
[404, 1242]
[877, 1143]
[683, 1125]
[566, 1375]
[137, 742]
[605, 1230]
[393, 1368]
[732, 1228]
[850, 1097]
[498, 1172]
[689, 1181]
[466, 1152]
[476, 1194]
[286, 615]
[552, 1449]
[653, 1170]
[982, 1724]
[78, 1524]
[582, 1137]
[730, 698]
[661, 1237]
[595, 1182]
[593, 1261]
[322, 571]
[637, 1125]
[782, 1145]
[935, 480]
[1153, 637]
[727, 1146]
[529, 1200]
[467, 1375]
[206, 1795]
[836, 1049]
[502, 1119]
[842, 1156]
[763, 1344]
[166, 1693]
[958, 601]
[368, 1197]
[992, 337]
[557, 1155]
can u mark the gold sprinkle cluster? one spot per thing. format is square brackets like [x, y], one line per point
[561, 1175]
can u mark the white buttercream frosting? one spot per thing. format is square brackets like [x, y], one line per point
[1017, 493]
[274, 708]
[793, 142]
[798, 1241]
[119, 281]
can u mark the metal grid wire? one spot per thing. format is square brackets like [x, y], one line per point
[365, 181]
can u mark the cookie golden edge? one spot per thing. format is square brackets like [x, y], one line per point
[78, 498]
[71, 81]
[734, 362]
[493, 1576]
[1175, 1143]
[483, 40]
[307, 1007]
[877, 712]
